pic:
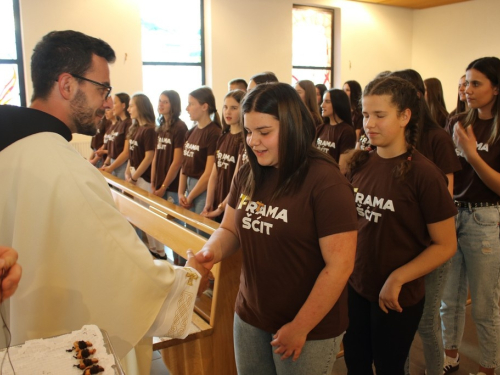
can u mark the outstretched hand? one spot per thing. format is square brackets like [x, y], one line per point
[204, 272]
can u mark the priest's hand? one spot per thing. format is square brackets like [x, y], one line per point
[12, 271]
[205, 274]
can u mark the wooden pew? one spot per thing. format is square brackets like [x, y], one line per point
[208, 349]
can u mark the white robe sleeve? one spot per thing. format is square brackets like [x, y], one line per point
[175, 316]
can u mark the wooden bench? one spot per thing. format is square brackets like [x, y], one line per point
[208, 349]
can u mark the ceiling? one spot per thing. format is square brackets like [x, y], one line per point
[414, 4]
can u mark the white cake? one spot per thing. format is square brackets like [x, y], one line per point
[49, 356]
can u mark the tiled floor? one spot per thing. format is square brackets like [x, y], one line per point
[469, 355]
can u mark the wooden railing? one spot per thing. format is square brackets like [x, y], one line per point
[208, 349]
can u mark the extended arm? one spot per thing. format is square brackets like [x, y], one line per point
[222, 243]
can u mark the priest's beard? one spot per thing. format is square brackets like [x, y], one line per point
[84, 117]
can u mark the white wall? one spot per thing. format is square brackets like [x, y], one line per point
[117, 22]
[252, 36]
[446, 39]
[244, 37]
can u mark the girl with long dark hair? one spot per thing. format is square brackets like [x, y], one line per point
[291, 211]
[405, 230]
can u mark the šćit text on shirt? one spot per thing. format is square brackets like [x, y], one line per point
[257, 212]
[133, 144]
[189, 149]
[224, 159]
[365, 203]
[163, 142]
[324, 145]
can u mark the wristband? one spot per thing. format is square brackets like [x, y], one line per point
[133, 179]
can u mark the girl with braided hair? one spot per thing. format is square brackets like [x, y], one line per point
[436, 145]
[406, 229]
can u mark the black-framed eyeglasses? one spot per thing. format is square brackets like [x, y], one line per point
[107, 87]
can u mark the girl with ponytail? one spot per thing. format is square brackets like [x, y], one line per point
[406, 229]
[199, 149]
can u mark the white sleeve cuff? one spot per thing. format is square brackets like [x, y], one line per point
[175, 316]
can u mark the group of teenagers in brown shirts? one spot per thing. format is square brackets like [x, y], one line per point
[359, 246]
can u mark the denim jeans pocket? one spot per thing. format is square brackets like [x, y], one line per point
[489, 216]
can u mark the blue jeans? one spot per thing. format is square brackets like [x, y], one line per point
[198, 203]
[120, 171]
[429, 327]
[477, 265]
[255, 355]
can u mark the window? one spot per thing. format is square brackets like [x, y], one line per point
[172, 48]
[312, 56]
[12, 89]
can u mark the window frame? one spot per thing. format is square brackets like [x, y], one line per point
[201, 64]
[331, 67]
[19, 51]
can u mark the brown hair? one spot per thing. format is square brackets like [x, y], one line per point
[403, 96]
[205, 95]
[237, 95]
[490, 67]
[145, 111]
[175, 110]
[435, 100]
[297, 132]
[311, 101]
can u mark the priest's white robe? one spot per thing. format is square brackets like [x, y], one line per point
[82, 261]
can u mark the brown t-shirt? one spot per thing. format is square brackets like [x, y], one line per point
[167, 142]
[200, 143]
[281, 253]
[468, 186]
[144, 140]
[229, 146]
[335, 140]
[437, 146]
[357, 120]
[393, 218]
[117, 136]
[98, 139]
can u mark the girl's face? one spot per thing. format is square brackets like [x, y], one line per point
[347, 90]
[301, 92]
[231, 111]
[461, 89]
[263, 137]
[109, 114]
[118, 106]
[326, 106]
[383, 124]
[480, 93]
[318, 96]
[164, 105]
[195, 109]
[132, 109]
